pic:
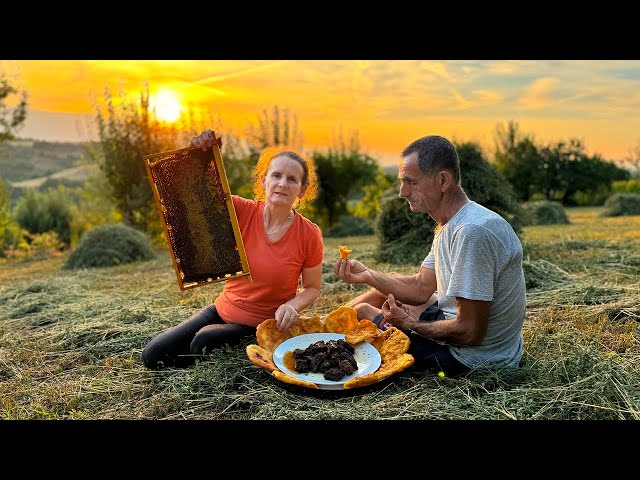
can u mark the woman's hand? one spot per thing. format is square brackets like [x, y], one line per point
[205, 140]
[286, 316]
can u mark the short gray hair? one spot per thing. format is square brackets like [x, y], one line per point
[435, 153]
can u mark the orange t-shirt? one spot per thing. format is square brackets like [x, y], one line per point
[275, 267]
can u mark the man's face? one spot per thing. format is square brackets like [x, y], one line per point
[418, 189]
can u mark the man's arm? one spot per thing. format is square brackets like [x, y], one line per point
[411, 290]
[468, 328]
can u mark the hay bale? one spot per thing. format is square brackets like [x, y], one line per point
[621, 204]
[544, 212]
[110, 245]
[350, 225]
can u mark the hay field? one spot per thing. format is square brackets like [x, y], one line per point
[70, 343]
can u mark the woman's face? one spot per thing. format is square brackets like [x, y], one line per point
[283, 181]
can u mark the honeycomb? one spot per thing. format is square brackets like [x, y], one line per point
[196, 210]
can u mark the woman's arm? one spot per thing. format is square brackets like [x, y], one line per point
[287, 313]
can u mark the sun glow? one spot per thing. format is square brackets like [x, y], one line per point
[166, 105]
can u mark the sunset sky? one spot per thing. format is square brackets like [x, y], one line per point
[389, 103]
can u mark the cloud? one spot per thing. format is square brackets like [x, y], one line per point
[478, 98]
[248, 70]
[508, 67]
[538, 94]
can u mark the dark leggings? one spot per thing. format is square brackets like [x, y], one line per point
[429, 354]
[191, 339]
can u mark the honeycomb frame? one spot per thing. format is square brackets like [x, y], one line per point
[196, 211]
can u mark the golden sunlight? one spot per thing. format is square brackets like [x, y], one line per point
[166, 105]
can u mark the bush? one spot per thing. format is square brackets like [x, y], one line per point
[39, 212]
[350, 225]
[622, 204]
[544, 212]
[110, 245]
[626, 186]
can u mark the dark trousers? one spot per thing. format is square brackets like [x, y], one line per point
[429, 354]
[191, 339]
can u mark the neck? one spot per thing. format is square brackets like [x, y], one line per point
[450, 206]
[275, 219]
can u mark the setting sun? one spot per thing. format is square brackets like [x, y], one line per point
[166, 105]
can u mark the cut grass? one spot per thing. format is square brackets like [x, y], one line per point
[70, 343]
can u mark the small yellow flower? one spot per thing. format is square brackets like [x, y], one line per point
[441, 374]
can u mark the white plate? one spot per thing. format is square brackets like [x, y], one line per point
[366, 355]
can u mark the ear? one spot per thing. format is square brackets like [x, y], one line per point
[445, 180]
[262, 181]
[302, 190]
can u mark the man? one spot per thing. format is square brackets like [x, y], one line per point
[465, 307]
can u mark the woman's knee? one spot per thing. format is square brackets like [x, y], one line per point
[215, 336]
[152, 355]
[207, 338]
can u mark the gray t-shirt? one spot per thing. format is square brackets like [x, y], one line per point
[477, 255]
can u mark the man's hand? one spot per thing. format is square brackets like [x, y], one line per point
[205, 140]
[351, 271]
[396, 313]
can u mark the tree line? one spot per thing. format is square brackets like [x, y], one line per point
[560, 171]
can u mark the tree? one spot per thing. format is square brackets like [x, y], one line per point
[274, 130]
[632, 161]
[517, 159]
[341, 170]
[277, 128]
[10, 233]
[128, 131]
[238, 165]
[11, 120]
[369, 205]
[567, 170]
[556, 172]
[237, 159]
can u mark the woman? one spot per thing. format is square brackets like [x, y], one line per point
[281, 246]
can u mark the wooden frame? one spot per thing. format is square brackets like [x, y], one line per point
[198, 217]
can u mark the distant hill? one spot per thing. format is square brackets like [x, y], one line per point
[27, 159]
[69, 176]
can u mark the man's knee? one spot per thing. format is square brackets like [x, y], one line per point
[366, 311]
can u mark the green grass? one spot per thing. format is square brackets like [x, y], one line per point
[70, 342]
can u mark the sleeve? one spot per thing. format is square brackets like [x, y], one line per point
[315, 248]
[241, 205]
[429, 261]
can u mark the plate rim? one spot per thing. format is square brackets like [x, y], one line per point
[324, 384]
